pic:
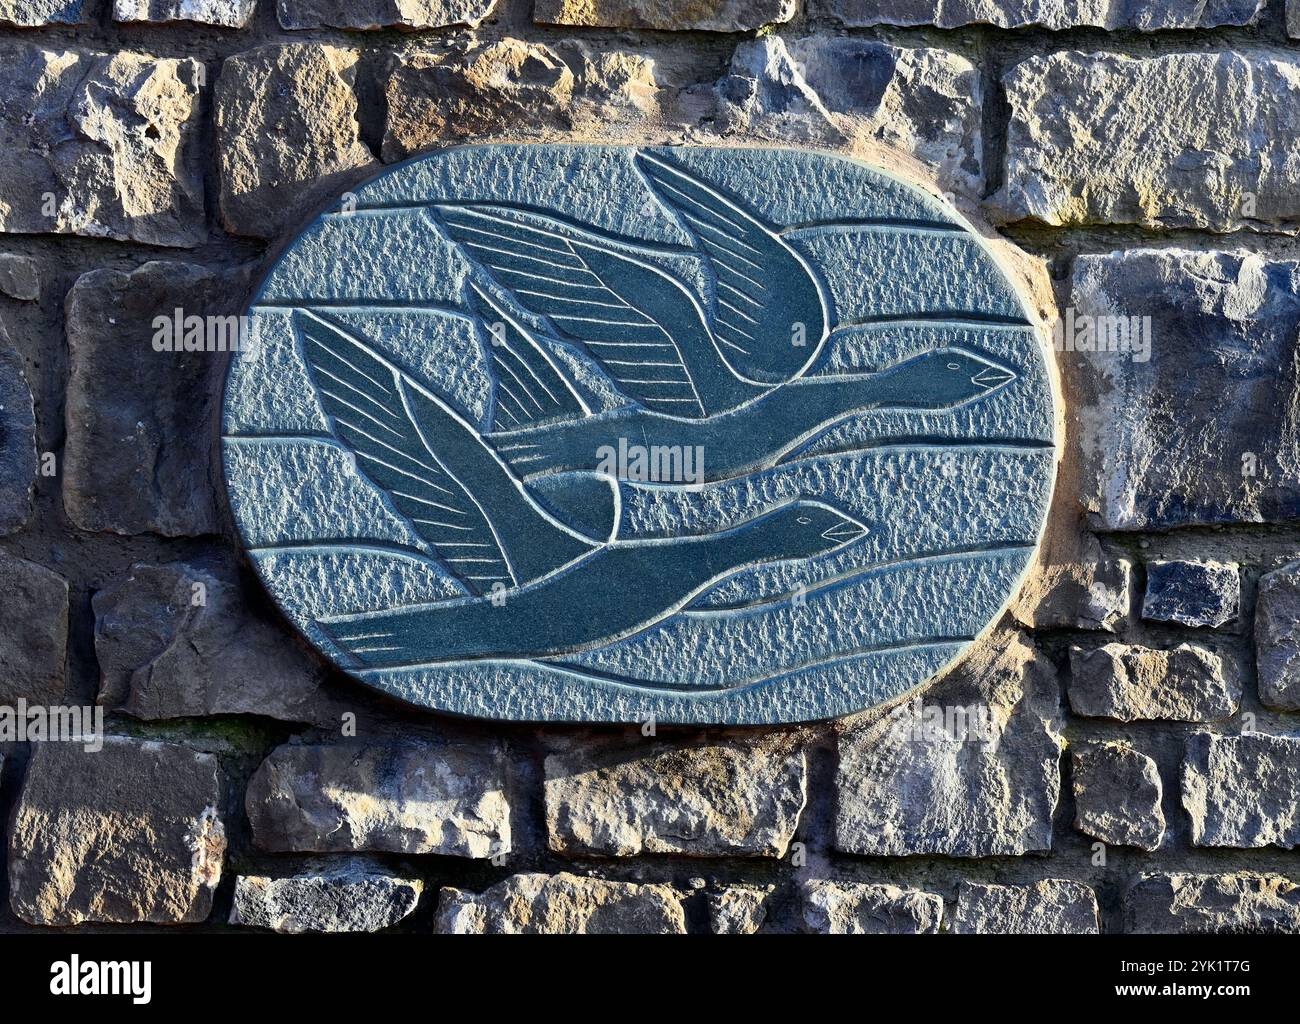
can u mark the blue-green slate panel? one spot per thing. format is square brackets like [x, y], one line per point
[598, 433]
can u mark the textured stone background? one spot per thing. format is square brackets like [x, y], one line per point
[1142, 771]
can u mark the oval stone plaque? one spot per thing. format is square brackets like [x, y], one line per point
[590, 433]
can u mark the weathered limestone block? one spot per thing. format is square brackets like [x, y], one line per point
[226, 13]
[177, 641]
[1190, 683]
[563, 904]
[1241, 903]
[613, 86]
[32, 13]
[521, 89]
[1243, 791]
[471, 90]
[860, 908]
[1117, 793]
[352, 896]
[1190, 417]
[372, 14]
[1277, 638]
[101, 145]
[737, 910]
[1053, 906]
[765, 93]
[1145, 15]
[33, 632]
[287, 135]
[701, 15]
[726, 798]
[923, 101]
[1090, 592]
[17, 441]
[130, 833]
[982, 789]
[139, 421]
[1183, 140]
[1192, 593]
[413, 796]
[20, 277]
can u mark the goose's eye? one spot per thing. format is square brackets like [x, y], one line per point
[803, 520]
[954, 366]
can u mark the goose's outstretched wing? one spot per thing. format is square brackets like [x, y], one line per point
[769, 312]
[642, 325]
[528, 387]
[432, 465]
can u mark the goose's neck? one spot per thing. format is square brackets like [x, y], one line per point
[828, 397]
[751, 543]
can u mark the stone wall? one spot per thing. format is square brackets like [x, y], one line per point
[1138, 762]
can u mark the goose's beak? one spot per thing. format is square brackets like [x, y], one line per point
[846, 531]
[993, 377]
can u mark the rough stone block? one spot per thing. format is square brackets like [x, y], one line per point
[677, 15]
[101, 145]
[1241, 903]
[375, 14]
[1186, 416]
[287, 135]
[20, 277]
[718, 799]
[562, 904]
[33, 632]
[1117, 793]
[1144, 15]
[611, 87]
[1182, 140]
[1089, 592]
[353, 896]
[474, 89]
[1277, 638]
[1192, 593]
[34, 13]
[737, 910]
[225, 13]
[829, 90]
[1052, 906]
[178, 641]
[412, 796]
[513, 87]
[140, 421]
[128, 834]
[907, 788]
[1243, 791]
[859, 908]
[17, 441]
[1190, 683]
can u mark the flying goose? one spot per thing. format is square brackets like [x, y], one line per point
[536, 586]
[645, 327]
[760, 433]
[730, 379]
